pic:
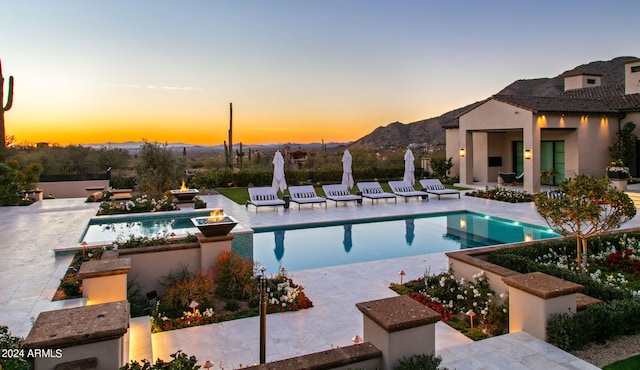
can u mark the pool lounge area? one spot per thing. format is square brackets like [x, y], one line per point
[31, 272]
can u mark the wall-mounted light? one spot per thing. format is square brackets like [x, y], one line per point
[527, 154]
[462, 152]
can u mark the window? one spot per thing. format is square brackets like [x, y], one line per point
[591, 81]
[635, 69]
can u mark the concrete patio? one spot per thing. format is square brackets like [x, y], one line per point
[31, 273]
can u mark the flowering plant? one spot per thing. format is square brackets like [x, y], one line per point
[285, 295]
[616, 167]
[160, 322]
[137, 205]
[453, 298]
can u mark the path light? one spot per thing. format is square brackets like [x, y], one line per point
[84, 248]
[357, 339]
[402, 274]
[172, 235]
[283, 272]
[471, 314]
[207, 364]
[263, 314]
[193, 305]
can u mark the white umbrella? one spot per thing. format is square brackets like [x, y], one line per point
[347, 177]
[409, 169]
[279, 181]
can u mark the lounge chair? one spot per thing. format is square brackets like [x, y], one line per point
[264, 196]
[434, 186]
[340, 193]
[406, 190]
[374, 191]
[305, 194]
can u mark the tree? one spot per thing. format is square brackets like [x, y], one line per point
[441, 165]
[9, 185]
[624, 149]
[158, 169]
[584, 207]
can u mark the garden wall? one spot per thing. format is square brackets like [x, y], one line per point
[466, 263]
[70, 189]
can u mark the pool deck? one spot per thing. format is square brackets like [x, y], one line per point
[31, 271]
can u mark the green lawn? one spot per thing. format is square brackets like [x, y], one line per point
[630, 363]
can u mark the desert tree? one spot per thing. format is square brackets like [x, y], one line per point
[584, 207]
[158, 169]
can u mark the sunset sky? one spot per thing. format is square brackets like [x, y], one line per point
[296, 71]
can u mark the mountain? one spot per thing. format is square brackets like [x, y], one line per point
[430, 132]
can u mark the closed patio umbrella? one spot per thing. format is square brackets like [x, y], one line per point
[279, 182]
[409, 169]
[347, 173]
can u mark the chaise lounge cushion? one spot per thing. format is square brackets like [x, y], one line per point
[339, 193]
[305, 194]
[373, 190]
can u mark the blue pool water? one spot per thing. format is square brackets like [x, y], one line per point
[314, 247]
[101, 230]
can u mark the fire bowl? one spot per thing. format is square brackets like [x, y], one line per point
[214, 225]
[184, 195]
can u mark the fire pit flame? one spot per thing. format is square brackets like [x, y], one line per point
[217, 215]
[183, 188]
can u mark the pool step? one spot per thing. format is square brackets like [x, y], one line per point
[140, 346]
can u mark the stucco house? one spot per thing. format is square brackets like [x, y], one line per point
[570, 132]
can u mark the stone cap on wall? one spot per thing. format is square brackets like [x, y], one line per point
[338, 357]
[398, 313]
[104, 267]
[79, 325]
[542, 285]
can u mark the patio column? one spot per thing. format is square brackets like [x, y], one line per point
[466, 161]
[531, 142]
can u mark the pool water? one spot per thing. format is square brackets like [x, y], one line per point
[106, 230]
[314, 247]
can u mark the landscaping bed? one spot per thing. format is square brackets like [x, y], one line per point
[502, 194]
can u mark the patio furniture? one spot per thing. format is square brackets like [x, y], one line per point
[264, 196]
[340, 193]
[434, 186]
[508, 178]
[374, 191]
[406, 190]
[305, 194]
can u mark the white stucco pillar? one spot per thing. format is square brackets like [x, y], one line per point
[531, 142]
[466, 162]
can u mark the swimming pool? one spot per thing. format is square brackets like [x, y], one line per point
[301, 248]
[105, 230]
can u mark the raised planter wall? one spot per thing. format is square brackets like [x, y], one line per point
[149, 264]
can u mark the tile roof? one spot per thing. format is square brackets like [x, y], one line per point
[544, 104]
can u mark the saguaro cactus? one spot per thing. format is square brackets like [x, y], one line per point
[5, 107]
[229, 154]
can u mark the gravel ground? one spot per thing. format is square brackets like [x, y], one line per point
[614, 350]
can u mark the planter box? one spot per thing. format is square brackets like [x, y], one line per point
[617, 175]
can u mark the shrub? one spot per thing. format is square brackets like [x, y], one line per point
[9, 342]
[176, 300]
[70, 285]
[420, 362]
[234, 276]
[137, 205]
[502, 194]
[180, 361]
